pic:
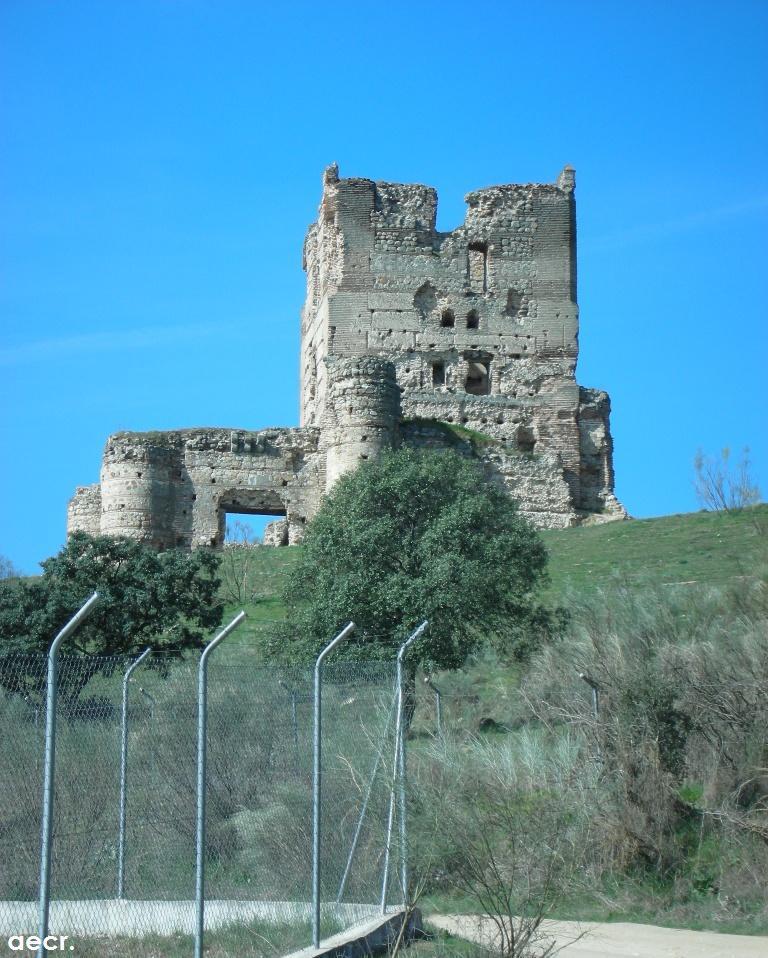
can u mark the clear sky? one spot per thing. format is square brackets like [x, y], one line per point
[161, 160]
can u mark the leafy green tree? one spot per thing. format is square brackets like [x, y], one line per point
[412, 536]
[168, 600]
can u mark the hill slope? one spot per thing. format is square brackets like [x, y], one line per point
[697, 547]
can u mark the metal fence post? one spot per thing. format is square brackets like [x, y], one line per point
[124, 773]
[595, 689]
[438, 704]
[398, 781]
[202, 718]
[317, 781]
[50, 757]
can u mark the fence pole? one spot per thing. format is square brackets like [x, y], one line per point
[295, 723]
[398, 778]
[595, 689]
[124, 773]
[50, 758]
[317, 781]
[202, 719]
[438, 704]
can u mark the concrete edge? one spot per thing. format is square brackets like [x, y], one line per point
[371, 937]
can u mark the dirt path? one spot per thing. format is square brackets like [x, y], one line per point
[617, 940]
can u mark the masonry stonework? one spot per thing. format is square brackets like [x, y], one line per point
[465, 339]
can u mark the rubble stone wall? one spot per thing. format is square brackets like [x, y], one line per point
[174, 489]
[84, 510]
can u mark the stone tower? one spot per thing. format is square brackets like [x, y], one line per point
[480, 323]
[361, 413]
[467, 338]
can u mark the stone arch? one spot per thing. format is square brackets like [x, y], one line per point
[478, 381]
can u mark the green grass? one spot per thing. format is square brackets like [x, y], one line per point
[698, 547]
[267, 571]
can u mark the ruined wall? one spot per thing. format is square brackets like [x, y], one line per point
[403, 328]
[596, 446]
[174, 489]
[535, 481]
[84, 510]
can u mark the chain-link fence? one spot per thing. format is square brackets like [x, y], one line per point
[125, 820]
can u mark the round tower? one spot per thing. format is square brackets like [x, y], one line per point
[137, 490]
[362, 412]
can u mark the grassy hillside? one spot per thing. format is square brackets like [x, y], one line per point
[697, 547]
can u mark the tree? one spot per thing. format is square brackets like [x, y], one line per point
[238, 561]
[7, 569]
[723, 486]
[411, 536]
[168, 600]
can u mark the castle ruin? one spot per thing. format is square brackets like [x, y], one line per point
[465, 339]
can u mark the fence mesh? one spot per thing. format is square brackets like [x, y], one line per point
[258, 852]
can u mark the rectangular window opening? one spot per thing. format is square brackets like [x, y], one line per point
[477, 267]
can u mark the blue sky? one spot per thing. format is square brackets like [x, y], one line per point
[161, 161]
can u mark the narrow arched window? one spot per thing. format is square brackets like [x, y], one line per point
[473, 320]
[478, 381]
[447, 319]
